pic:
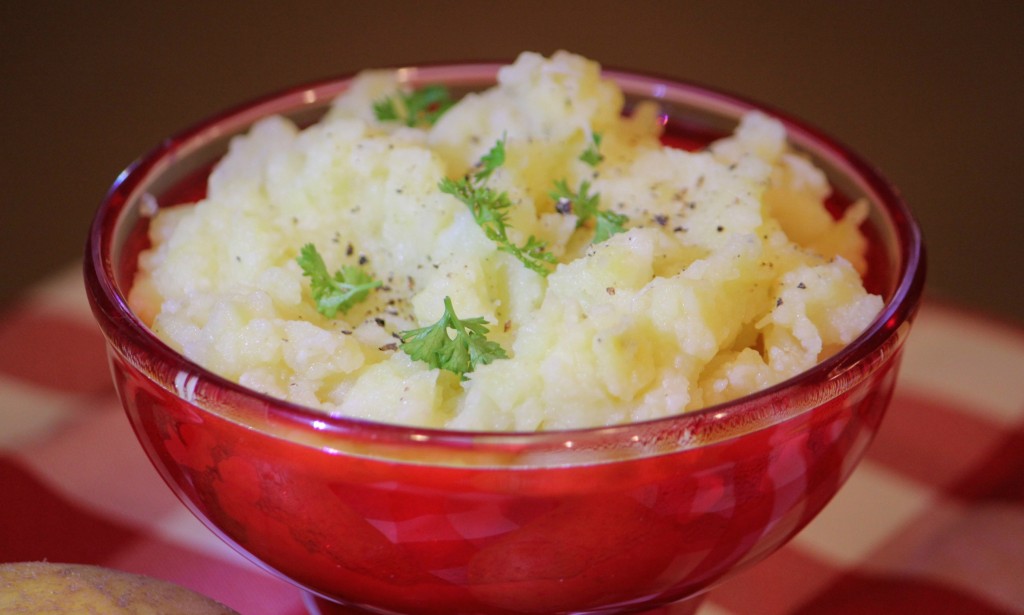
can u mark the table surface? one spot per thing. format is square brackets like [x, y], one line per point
[932, 521]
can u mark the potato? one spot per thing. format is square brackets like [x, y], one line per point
[43, 587]
[731, 274]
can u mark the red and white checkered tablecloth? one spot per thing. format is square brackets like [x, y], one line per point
[932, 521]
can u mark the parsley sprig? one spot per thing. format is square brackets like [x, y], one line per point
[586, 206]
[420, 107]
[490, 210]
[608, 223]
[592, 155]
[460, 354]
[347, 287]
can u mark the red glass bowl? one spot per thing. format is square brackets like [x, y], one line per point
[395, 519]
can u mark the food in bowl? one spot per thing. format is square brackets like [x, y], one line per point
[371, 516]
[581, 272]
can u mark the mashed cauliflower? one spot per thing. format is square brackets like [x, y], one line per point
[730, 277]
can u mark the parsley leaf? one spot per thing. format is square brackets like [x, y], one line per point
[582, 203]
[417, 108]
[461, 354]
[385, 111]
[592, 155]
[490, 210]
[494, 158]
[609, 223]
[585, 206]
[347, 287]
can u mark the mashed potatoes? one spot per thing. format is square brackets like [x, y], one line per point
[731, 275]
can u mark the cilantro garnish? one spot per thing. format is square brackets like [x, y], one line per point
[347, 287]
[592, 155]
[490, 210]
[586, 207]
[417, 108]
[461, 354]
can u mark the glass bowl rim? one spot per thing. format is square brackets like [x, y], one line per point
[111, 309]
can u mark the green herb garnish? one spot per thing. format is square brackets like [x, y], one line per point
[608, 223]
[460, 354]
[490, 210]
[580, 202]
[347, 287]
[586, 207]
[417, 108]
[592, 155]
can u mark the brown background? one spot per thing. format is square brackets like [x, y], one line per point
[931, 92]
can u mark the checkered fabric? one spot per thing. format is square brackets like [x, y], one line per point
[932, 521]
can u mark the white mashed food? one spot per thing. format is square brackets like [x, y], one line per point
[730, 277]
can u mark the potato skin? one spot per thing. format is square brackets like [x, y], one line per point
[44, 588]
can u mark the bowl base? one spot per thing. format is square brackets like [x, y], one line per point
[316, 605]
